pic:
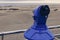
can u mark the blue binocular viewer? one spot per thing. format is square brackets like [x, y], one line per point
[39, 29]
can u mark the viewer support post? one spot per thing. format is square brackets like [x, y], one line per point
[39, 30]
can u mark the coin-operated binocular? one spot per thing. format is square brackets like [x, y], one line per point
[39, 30]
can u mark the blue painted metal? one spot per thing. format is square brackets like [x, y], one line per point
[39, 30]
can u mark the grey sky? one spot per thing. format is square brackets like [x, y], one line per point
[19, 0]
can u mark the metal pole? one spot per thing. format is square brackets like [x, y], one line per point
[2, 37]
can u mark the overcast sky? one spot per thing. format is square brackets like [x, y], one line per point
[20, 0]
[29, 0]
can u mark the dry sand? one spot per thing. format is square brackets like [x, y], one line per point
[22, 19]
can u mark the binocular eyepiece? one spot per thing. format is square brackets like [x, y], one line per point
[44, 10]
